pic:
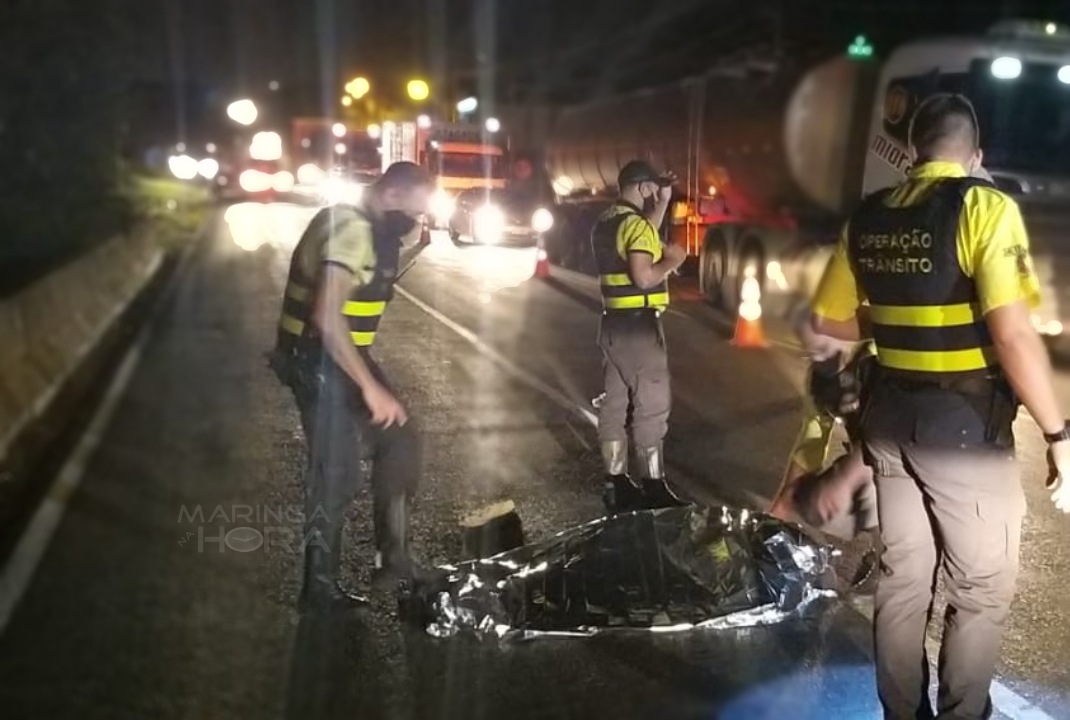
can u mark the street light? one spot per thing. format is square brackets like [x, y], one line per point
[423, 122]
[346, 101]
[418, 90]
[339, 130]
[374, 131]
[242, 112]
[358, 87]
[468, 105]
[340, 148]
[493, 125]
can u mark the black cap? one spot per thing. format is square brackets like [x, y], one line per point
[639, 171]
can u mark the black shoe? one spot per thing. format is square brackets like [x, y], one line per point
[394, 561]
[622, 495]
[405, 570]
[325, 594]
[658, 494]
[321, 590]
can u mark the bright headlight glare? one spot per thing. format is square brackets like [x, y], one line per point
[489, 223]
[337, 190]
[282, 181]
[1006, 67]
[542, 220]
[254, 181]
[183, 167]
[309, 174]
[442, 205]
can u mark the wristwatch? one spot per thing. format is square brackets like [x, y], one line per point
[1055, 437]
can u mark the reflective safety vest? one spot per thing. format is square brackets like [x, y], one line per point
[365, 305]
[927, 321]
[618, 291]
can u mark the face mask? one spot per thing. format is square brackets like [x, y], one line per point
[397, 224]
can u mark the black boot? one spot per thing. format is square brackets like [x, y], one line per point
[394, 563]
[622, 495]
[657, 492]
[321, 590]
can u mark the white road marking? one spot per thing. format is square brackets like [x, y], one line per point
[1005, 700]
[520, 373]
[17, 574]
[31, 548]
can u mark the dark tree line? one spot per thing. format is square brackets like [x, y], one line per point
[63, 71]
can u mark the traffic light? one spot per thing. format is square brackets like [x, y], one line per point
[860, 48]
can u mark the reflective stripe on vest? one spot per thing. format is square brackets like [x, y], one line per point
[363, 316]
[924, 309]
[618, 293]
[364, 306]
[618, 290]
[931, 338]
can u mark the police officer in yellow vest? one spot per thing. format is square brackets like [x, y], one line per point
[937, 271]
[341, 279]
[633, 267]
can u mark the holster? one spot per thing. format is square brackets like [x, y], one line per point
[959, 412]
[1002, 410]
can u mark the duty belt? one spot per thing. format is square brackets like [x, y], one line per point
[973, 384]
[632, 314]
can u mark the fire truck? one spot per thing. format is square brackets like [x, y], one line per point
[458, 156]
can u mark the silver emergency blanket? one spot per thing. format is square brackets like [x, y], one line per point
[655, 570]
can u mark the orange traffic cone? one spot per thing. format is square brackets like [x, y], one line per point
[749, 333]
[542, 261]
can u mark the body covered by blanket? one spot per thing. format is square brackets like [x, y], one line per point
[650, 569]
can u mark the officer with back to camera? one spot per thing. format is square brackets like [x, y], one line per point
[937, 271]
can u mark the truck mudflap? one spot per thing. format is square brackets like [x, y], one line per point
[652, 570]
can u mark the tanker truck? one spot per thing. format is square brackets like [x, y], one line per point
[771, 158]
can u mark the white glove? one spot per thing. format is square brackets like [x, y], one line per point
[1059, 474]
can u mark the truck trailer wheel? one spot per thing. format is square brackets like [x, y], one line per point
[712, 264]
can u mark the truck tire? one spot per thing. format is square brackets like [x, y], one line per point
[712, 265]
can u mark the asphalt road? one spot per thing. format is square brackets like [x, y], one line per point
[140, 607]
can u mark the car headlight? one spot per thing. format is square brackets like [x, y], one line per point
[283, 181]
[254, 181]
[309, 174]
[542, 220]
[442, 205]
[489, 222]
[337, 190]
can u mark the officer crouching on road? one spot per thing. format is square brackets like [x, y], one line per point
[943, 263]
[838, 385]
[341, 279]
[633, 267]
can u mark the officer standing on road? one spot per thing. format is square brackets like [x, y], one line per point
[943, 263]
[341, 278]
[633, 267]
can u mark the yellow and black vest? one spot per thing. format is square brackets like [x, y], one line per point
[365, 305]
[619, 293]
[927, 321]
